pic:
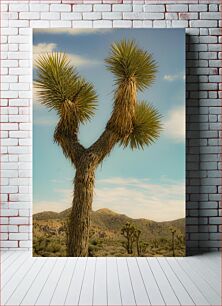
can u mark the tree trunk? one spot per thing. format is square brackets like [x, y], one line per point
[79, 223]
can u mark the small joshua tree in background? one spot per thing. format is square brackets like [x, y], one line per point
[128, 232]
[137, 234]
[131, 123]
[173, 231]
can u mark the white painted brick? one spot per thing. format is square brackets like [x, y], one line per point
[19, 220]
[70, 16]
[82, 8]
[4, 220]
[4, 7]
[9, 142]
[207, 15]
[9, 94]
[197, 7]
[93, 15]
[18, 236]
[112, 15]
[9, 244]
[137, 7]
[9, 212]
[180, 23]
[25, 244]
[36, 7]
[171, 16]
[24, 212]
[154, 8]
[102, 7]
[9, 63]
[60, 7]
[102, 24]
[19, 102]
[29, 15]
[19, 71]
[9, 173]
[9, 126]
[18, 150]
[122, 8]
[24, 229]
[134, 15]
[122, 23]
[60, 23]
[19, 7]
[13, 47]
[39, 23]
[203, 23]
[213, 7]
[18, 23]
[18, 118]
[138, 23]
[82, 24]
[9, 31]
[177, 8]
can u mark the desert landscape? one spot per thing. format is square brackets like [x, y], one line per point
[111, 234]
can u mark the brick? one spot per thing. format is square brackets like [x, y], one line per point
[122, 23]
[197, 7]
[102, 7]
[39, 7]
[134, 15]
[69, 16]
[112, 15]
[177, 8]
[82, 24]
[82, 8]
[154, 8]
[121, 7]
[18, 236]
[9, 244]
[203, 23]
[208, 15]
[102, 24]
[60, 7]
[18, 220]
[18, 7]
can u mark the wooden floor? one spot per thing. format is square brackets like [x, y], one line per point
[110, 281]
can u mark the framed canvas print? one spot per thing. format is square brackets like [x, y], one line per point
[109, 142]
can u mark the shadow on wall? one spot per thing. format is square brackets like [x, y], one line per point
[198, 228]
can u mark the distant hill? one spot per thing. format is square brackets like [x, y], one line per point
[107, 220]
[105, 234]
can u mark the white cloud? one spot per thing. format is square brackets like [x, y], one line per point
[174, 77]
[75, 59]
[137, 198]
[174, 126]
[72, 31]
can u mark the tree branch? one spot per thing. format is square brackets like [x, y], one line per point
[120, 124]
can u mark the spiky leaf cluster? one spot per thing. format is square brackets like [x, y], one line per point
[127, 61]
[146, 127]
[58, 83]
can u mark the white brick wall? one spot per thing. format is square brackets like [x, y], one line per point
[201, 20]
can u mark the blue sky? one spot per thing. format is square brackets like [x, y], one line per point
[143, 183]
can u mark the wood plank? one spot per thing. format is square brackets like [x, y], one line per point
[113, 286]
[23, 287]
[75, 286]
[4, 255]
[139, 288]
[211, 260]
[38, 283]
[47, 291]
[190, 286]
[208, 292]
[86, 294]
[126, 289]
[10, 261]
[206, 273]
[17, 278]
[153, 290]
[13, 269]
[166, 289]
[179, 289]
[62, 288]
[100, 283]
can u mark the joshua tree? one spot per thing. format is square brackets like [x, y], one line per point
[173, 232]
[128, 232]
[137, 234]
[132, 123]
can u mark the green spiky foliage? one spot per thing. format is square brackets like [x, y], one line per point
[127, 61]
[146, 127]
[61, 88]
